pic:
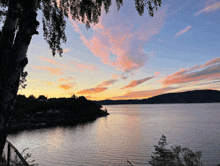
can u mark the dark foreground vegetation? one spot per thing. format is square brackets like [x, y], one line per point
[41, 112]
[175, 156]
[196, 96]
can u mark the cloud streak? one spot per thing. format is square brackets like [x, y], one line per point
[66, 86]
[66, 79]
[92, 90]
[210, 8]
[53, 71]
[82, 66]
[107, 83]
[49, 60]
[207, 71]
[48, 83]
[135, 83]
[143, 94]
[183, 31]
[99, 88]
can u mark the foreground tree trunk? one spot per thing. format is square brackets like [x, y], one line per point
[13, 56]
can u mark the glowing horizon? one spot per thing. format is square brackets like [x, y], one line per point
[126, 56]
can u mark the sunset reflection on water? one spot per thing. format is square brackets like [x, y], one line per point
[128, 133]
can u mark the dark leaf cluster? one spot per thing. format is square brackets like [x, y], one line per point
[53, 25]
[151, 5]
[22, 81]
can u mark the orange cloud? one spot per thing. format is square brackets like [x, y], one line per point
[48, 83]
[119, 43]
[137, 82]
[66, 86]
[49, 60]
[53, 71]
[90, 97]
[207, 71]
[66, 50]
[210, 8]
[143, 94]
[183, 31]
[115, 76]
[82, 66]
[66, 79]
[92, 90]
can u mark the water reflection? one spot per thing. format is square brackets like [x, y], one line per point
[128, 133]
[55, 139]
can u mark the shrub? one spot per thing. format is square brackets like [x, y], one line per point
[176, 156]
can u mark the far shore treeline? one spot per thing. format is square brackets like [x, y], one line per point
[196, 96]
[31, 112]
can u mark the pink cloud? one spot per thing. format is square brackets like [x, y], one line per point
[49, 60]
[134, 83]
[207, 71]
[143, 94]
[183, 31]
[53, 71]
[211, 62]
[82, 66]
[118, 42]
[157, 73]
[54, 62]
[92, 90]
[74, 25]
[107, 82]
[210, 8]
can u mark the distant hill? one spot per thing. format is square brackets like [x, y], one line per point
[196, 96]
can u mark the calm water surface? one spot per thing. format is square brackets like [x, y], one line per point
[129, 132]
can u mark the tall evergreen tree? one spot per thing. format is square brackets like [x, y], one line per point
[19, 25]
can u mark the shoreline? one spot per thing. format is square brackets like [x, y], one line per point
[47, 123]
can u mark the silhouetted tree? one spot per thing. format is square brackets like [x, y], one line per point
[19, 25]
[177, 156]
[42, 97]
[74, 97]
[32, 97]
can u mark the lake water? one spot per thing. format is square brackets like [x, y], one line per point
[129, 132]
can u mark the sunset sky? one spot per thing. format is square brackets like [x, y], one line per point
[127, 56]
